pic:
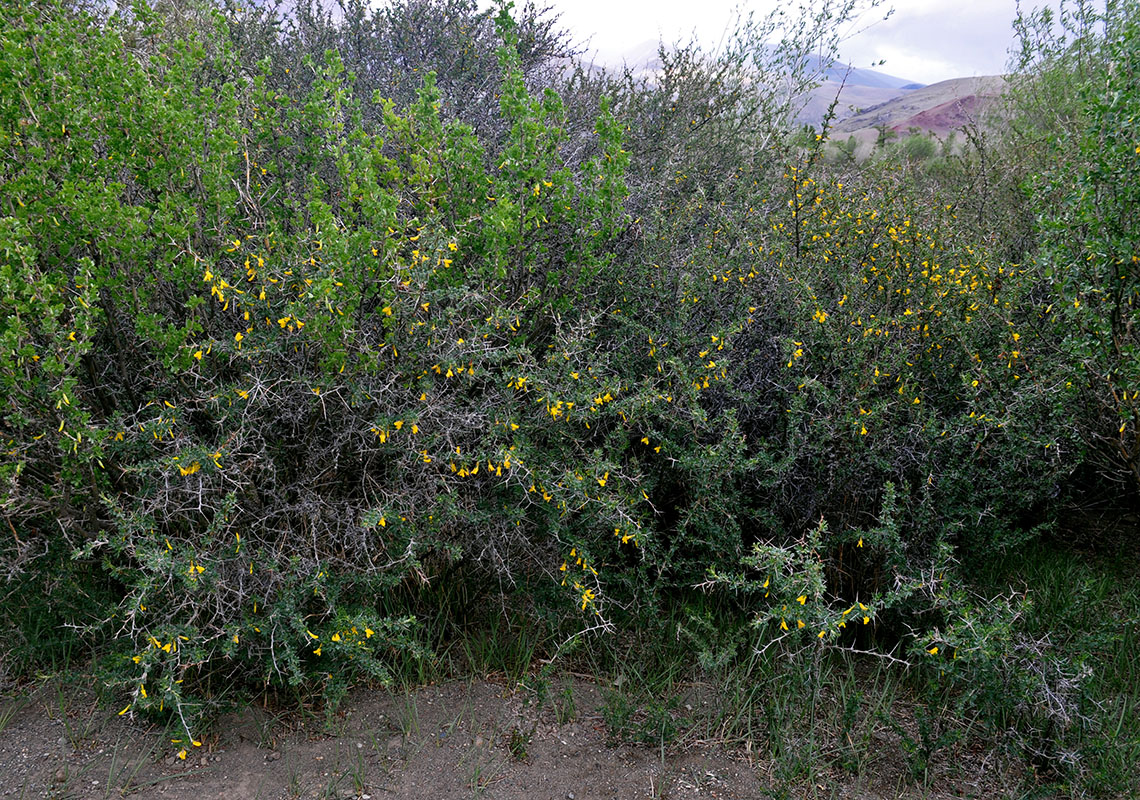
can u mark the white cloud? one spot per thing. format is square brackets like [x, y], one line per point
[931, 40]
[924, 40]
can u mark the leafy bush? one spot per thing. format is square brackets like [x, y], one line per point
[1085, 197]
[292, 327]
[263, 365]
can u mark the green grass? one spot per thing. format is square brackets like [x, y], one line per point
[1088, 608]
[12, 708]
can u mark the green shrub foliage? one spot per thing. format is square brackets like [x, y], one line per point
[264, 362]
[299, 311]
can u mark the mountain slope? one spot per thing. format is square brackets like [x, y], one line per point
[939, 108]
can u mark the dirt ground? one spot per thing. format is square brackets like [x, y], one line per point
[456, 740]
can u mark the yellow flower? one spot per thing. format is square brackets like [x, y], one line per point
[801, 599]
[933, 651]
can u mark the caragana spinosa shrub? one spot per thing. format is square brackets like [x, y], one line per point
[909, 331]
[288, 331]
[264, 363]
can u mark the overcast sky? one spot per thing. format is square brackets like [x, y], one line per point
[924, 40]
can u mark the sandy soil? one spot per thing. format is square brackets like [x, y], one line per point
[457, 740]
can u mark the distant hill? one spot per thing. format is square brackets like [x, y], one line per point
[939, 108]
[643, 59]
[853, 98]
[856, 88]
[853, 76]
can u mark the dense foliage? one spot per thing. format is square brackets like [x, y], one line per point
[301, 313]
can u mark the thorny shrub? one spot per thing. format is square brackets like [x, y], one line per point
[283, 333]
